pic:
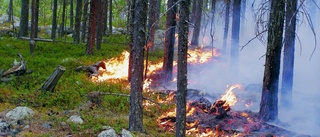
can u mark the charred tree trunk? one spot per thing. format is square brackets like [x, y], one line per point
[136, 81]
[288, 55]
[131, 28]
[182, 68]
[234, 52]
[110, 16]
[54, 19]
[197, 24]
[194, 10]
[269, 99]
[85, 18]
[71, 14]
[52, 81]
[10, 11]
[92, 27]
[226, 26]
[23, 30]
[100, 19]
[76, 36]
[169, 40]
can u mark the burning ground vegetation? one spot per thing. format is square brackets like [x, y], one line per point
[207, 115]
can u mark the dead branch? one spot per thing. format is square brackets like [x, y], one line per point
[17, 69]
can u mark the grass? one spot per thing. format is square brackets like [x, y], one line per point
[70, 95]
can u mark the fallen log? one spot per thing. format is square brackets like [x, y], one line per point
[52, 81]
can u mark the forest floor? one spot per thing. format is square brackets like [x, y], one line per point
[70, 94]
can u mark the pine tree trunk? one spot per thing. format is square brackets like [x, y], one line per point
[105, 18]
[130, 31]
[85, 19]
[100, 20]
[76, 36]
[151, 22]
[54, 19]
[136, 81]
[234, 52]
[33, 22]
[194, 10]
[197, 24]
[288, 54]
[269, 99]
[226, 26]
[110, 17]
[10, 11]
[169, 40]
[62, 27]
[182, 68]
[23, 30]
[71, 14]
[92, 27]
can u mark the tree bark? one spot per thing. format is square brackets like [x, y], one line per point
[10, 11]
[151, 22]
[182, 68]
[92, 27]
[197, 24]
[105, 17]
[51, 82]
[84, 23]
[269, 99]
[194, 10]
[100, 20]
[54, 19]
[226, 26]
[76, 36]
[62, 27]
[71, 14]
[288, 54]
[33, 28]
[234, 52]
[169, 40]
[110, 17]
[36, 20]
[130, 30]
[23, 30]
[136, 81]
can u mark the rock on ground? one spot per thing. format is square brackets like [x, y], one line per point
[19, 113]
[75, 119]
[4, 127]
[126, 133]
[108, 133]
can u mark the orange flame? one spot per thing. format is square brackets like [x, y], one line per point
[230, 97]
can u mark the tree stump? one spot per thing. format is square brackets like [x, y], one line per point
[52, 81]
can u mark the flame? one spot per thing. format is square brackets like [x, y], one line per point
[230, 97]
[199, 56]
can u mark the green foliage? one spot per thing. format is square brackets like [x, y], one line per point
[73, 87]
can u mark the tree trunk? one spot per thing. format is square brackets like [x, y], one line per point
[194, 10]
[100, 20]
[197, 24]
[136, 81]
[110, 17]
[33, 29]
[158, 12]
[23, 30]
[243, 15]
[151, 22]
[105, 17]
[10, 11]
[226, 27]
[288, 55]
[169, 40]
[76, 36]
[84, 23]
[62, 27]
[71, 14]
[92, 27]
[130, 30]
[51, 82]
[234, 52]
[36, 20]
[182, 68]
[213, 11]
[269, 99]
[54, 19]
